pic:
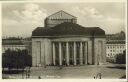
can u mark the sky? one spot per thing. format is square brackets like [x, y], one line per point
[20, 19]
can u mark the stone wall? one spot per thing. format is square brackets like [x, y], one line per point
[42, 51]
[90, 52]
[99, 51]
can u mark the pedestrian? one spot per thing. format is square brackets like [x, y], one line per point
[94, 77]
[39, 77]
[100, 75]
[28, 75]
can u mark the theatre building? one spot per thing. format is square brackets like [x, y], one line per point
[64, 42]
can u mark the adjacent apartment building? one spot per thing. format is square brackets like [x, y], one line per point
[115, 45]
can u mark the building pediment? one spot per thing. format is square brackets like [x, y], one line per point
[61, 15]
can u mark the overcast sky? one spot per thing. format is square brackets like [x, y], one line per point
[20, 19]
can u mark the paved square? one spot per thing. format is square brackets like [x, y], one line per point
[83, 72]
[111, 71]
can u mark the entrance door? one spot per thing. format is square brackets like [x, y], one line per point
[57, 53]
[64, 53]
[77, 53]
[71, 57]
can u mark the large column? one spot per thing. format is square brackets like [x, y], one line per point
[60, 55]
[54, 53]
[74, 53]
[86, 53]
[81, 54]
[67, 53]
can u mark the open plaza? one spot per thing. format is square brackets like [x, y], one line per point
[110, 71]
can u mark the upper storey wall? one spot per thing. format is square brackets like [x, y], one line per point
[58, 18]
[54, 22]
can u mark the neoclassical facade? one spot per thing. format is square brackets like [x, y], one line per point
[67, 43]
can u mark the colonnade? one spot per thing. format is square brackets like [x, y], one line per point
[70, 53]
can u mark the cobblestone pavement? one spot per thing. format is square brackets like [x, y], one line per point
[77, 72]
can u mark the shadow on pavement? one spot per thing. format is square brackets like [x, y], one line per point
[117, 67]
[12, 72]
[123, 77]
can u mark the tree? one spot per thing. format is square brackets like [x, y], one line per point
[121, 58]
[16, 59]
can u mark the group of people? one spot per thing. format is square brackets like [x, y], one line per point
[98, 76]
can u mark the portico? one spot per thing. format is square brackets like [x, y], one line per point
[70, 53]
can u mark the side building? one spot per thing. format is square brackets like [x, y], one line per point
[115, 45]
[28, 42]
[12, 43]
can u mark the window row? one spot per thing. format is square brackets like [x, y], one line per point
[116, 50]
[110, 47]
